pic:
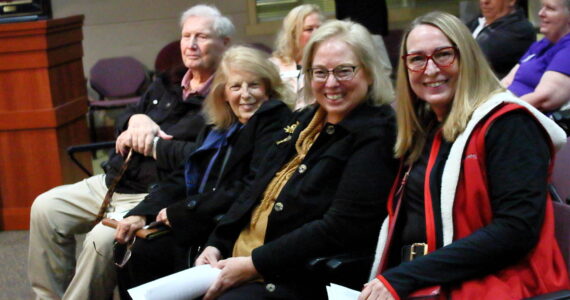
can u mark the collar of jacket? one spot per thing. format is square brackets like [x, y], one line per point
[358, 119]
[217, 138]
[268, 105]
[513, 17]
[214, 136]
[163, 84]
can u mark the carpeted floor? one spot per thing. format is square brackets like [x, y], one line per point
[13, 258]
[14, 284]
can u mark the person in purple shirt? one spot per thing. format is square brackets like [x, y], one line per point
[542, 76]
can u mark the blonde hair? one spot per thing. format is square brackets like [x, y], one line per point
[475, 84]
[241, 59]
[360, 41]
[287, 42]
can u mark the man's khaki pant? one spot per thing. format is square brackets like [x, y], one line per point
[56, 217]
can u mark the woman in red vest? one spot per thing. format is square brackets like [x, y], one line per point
[470, 212]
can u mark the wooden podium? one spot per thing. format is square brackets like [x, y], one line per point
[43, 101]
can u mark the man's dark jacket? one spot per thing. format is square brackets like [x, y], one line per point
[504, 41]
[162, 102]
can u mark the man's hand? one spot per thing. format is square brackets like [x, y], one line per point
[162, 217]
[375, 290]
[138, 136]
[127, 227]
[210, 256]
[235, 272]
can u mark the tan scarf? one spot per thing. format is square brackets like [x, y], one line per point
[253, 236]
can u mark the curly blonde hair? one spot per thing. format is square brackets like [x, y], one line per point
[243, 59]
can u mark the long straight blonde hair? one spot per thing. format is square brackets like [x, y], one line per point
[476, 83]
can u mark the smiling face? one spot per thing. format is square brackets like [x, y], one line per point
[495, 9]
[435, 85]
[338, 98]
[311, 23]
[245, 92]
[201, 47]
[554, 19]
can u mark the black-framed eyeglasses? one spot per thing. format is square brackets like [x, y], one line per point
[443, 58]
[341, 73]
[122, 252]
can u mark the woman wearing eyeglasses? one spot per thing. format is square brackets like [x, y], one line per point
[469, 210]
[321, 189]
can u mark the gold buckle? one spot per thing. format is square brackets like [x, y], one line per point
[413, 251]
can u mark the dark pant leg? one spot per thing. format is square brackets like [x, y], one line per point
[150, 260]
[281, 291]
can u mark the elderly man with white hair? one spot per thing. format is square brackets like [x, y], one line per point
[170, 110]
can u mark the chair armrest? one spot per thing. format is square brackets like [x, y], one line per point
[85, 148]
[350, 270]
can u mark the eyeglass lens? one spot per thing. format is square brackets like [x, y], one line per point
[341, 73]
[122, 253]
[441, 57]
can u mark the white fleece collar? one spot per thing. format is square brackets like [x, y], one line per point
[452, 167]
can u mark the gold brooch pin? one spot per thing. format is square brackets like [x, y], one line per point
[291, 128]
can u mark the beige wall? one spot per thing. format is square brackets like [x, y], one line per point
[140, 28]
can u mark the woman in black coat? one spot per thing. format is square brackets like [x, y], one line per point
[243, 114]
[322, 186]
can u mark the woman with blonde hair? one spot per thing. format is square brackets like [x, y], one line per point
[298, 26]
[469, 214]
[323, 184]
[243, 112]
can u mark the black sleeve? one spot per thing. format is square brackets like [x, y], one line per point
[352, 220]
[505, 45]
[166, 192]
[170, 154]
[517, 163]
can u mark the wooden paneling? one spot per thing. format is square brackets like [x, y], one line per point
[42, 111]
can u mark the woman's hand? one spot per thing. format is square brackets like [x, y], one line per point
[210, 256]
[138, 136]
[375, 290]
[235, 272]
[127, 227]
[162, 217]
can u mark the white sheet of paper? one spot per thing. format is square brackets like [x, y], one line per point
[339, 292]
[188, 284]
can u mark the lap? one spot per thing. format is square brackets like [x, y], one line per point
[72, 208]
[152, 259]
[270, 290]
